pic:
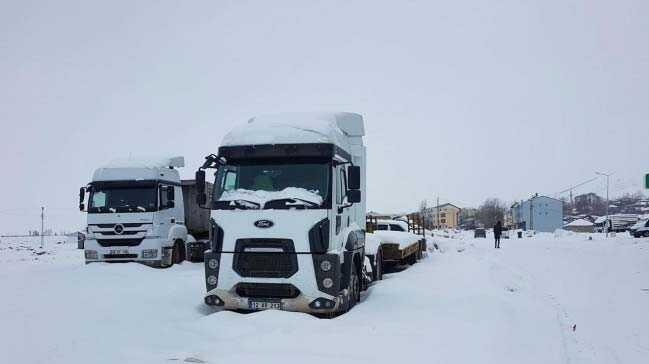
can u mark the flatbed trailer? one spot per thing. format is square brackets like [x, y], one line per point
[388, 249]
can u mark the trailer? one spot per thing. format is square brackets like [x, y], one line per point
[386, 249]
[197, 221]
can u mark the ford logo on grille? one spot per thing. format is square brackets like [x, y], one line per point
[264, 224]
[119, 229]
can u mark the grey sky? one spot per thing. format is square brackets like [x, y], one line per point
[464, 100]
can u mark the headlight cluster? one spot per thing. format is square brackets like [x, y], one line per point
[91, 255]
[213, 263]
[149, 253]
[212, 280]
[325, 265]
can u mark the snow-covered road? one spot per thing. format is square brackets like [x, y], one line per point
[467, 303]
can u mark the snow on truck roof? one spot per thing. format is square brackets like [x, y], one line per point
[152, 168]
[298, 128]
[147, 162]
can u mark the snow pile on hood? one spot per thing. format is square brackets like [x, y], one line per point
[261, 197]
[300, 128]
[147, 162]
[400, 238]
[372, 243]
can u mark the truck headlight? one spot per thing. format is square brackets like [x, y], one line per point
[213, 264]
[91, 254]
[149, 253]
[325, 266]
[327, 282]
[212, 280]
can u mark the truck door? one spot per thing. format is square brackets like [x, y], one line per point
[166, 216]
[342, 213]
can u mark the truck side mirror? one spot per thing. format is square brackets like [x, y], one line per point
[354, 177]
[171, 204]
[82, 194]
[201, 198]
[82, 207]
[354, 196]
[170, 194]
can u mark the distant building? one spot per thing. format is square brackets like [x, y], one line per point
[540, 213]
[448, 218]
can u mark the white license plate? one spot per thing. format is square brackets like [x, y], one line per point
[264, 305]
[119, 252]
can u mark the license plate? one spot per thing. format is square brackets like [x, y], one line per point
[119, 252]
[264, 305]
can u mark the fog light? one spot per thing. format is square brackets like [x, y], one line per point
[149, 253]
[214, 301]
[327, 283]
[213, 264]
[212, 281]
[325, 265]
[91, 254]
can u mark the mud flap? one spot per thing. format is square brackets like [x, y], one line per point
[367, 273]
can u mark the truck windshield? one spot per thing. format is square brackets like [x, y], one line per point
[104, 199]
[276, 185]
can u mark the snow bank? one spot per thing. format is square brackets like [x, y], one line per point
[289, 128]
[262, 197]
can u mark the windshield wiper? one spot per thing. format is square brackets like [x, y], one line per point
[290, 203]
[238, 204]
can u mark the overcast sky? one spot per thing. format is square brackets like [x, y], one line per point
[463, 100]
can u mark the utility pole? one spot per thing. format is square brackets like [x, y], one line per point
[438, 212]
[608, 176]
[42, 226]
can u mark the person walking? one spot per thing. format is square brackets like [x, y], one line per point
[498, 231]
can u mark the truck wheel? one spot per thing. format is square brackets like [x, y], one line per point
[378, 266]
[420, 252]
[646, 234]
[179, 249]
[355, 289]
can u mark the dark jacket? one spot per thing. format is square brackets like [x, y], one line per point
[498, 229]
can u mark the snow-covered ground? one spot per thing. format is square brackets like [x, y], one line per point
[466, 303]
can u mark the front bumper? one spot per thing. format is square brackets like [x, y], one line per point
[306, 293]
[150, 251]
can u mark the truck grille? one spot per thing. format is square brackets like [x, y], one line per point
[263, 290]
[265, 258]
[106, 243]
[120, 256]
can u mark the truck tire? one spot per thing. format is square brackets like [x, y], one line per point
[420, 252]
[646, 234]
[177, 254]
[377, 274]
[355, 288]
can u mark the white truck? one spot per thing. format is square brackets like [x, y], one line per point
[288, 215]
[136, 212]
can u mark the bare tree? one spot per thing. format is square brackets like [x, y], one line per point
[490, 211]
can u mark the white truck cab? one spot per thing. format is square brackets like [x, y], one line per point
[136, 212]
[288, 214]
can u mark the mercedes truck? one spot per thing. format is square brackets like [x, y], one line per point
[136, 212]
[287, 227]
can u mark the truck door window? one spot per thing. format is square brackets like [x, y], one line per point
[382, 227]
[230, 180]
[98, 199]
[341, 186]
[163, 196]
[395, 227]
